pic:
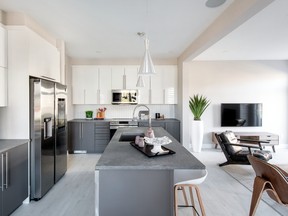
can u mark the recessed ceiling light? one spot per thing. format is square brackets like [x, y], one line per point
[214, 3]
[141, 34]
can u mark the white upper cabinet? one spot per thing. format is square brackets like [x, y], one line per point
[3, 47]
[117, 79]
[3, 87]
[104, 84]
[92, 84]
[131, 76]
[3, 66]
[170, 83]
[164, 85]
[85, 84]
[44, 58]
[144, 92]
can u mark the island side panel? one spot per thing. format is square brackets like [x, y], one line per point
[134, 192]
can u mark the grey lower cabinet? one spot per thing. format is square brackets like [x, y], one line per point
[88, 137]
[172, 126]
[13, 178]
[101, 136]
[81, 137]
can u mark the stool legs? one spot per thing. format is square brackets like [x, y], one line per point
[185, 198]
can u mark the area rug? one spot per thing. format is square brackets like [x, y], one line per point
[245, 175]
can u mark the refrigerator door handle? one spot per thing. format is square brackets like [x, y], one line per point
[48, 128]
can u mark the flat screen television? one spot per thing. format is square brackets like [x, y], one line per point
[241, 114]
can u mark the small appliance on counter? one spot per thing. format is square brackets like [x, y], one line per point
[158, 116]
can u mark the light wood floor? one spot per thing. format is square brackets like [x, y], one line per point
[74, 193]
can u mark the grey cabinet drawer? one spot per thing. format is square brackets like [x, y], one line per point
[102, 130]
[101, 136]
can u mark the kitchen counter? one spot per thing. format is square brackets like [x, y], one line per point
[6, 144]
[127, 182]
[111, 119]
[121, 155]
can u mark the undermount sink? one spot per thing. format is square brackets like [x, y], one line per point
[128, 137]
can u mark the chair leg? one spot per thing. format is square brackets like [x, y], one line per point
[175, 200]
[184, 195]
[200, 201]
[192, 200]
[258, 188]
[224, 164]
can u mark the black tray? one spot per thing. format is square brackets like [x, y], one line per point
[147, 150]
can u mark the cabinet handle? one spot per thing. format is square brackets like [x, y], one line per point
[80, 130]
[6, 170]
[2, 170]
[84, 96]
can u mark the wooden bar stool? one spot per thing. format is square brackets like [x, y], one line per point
[188, 179]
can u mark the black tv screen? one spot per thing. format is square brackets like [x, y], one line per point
[241, 114]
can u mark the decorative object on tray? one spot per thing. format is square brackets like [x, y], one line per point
[157, 143]
[101, 113]
[89, 114]
[147, 150]
[149, 133]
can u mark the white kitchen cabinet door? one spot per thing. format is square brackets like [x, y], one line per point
[91, 85]
[169, 80]
[157, 90]
[85, 84]
[3, 47]
[104, 84]
[78, 86]
[117, 73]
[131, 72]
[144, 92]
[164, 85]
[44, 58]
[3, 87]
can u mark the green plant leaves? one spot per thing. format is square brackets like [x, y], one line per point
[198, 104]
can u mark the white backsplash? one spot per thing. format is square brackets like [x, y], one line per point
[124, 111]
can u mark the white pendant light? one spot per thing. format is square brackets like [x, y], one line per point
[147, 67]
[140, 82]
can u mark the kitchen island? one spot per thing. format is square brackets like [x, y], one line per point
[130, 183]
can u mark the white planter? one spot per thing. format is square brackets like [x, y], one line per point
[197, 135]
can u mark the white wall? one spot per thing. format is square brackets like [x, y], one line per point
[238, 81]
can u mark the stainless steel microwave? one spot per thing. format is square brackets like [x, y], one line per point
[124, 96]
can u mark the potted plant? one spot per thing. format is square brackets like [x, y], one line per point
[89, 114]
[197, 104]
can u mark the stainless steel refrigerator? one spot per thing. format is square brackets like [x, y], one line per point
[44, 135]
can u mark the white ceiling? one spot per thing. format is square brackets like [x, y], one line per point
[98, 29]
[263, 37]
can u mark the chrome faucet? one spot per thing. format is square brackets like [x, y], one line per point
[149, 117]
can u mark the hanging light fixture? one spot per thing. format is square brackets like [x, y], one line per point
[147, 67]
[140, 82]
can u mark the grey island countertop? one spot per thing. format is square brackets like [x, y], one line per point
[121, 155]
